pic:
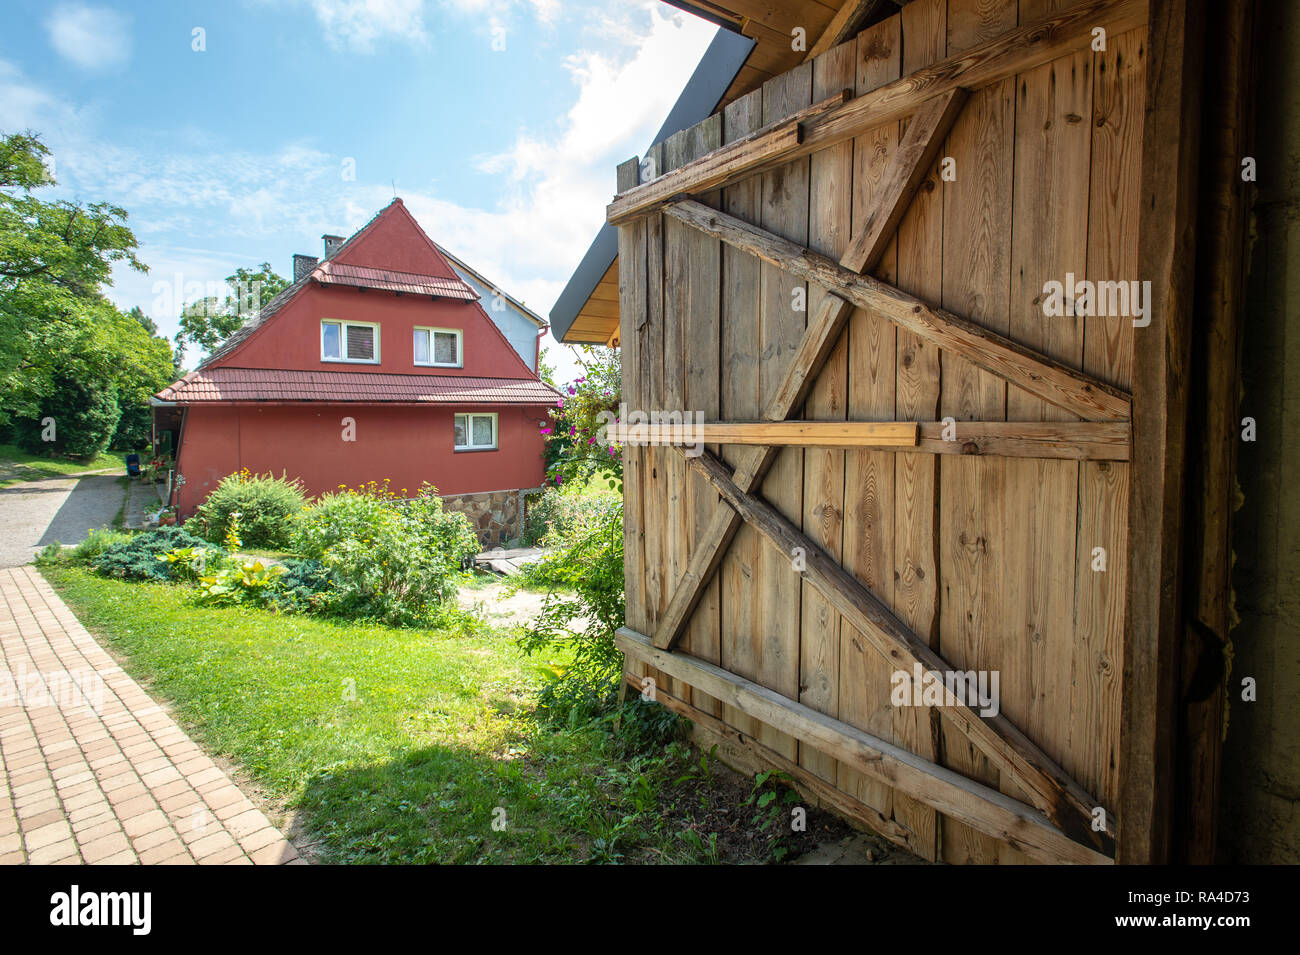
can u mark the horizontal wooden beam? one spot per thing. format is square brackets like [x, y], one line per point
[1000, 57]
[824, 434]
[1011, 751]
[979, 806]
[1074, 440]
[1058, 384]
[763, 146]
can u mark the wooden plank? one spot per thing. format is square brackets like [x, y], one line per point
[769, 145]
[1119, 78]
[822, 517]
[700, 395]
[651, 356]
[940, 788]
[631, 281]
[1064, 802]
[740, 398]
[1072, 440]
[974, 525]
[1166, 257]
[828, 434]
[678, 335]
[998, 58]
[1076, 440]
[917, 381]
[1056, 383]
[783, 209]
[869, 476]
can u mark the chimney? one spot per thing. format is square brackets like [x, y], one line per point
[302, 266]
[332, 243]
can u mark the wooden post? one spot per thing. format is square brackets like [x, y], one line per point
[1161, 354]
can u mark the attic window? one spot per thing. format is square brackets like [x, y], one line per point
[349, 341]
[439, 347]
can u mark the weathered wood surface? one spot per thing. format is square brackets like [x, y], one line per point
[986, 548]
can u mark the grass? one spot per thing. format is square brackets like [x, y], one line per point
[19, 465]
[406, 745]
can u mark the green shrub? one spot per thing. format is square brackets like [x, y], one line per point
[267, 508]
[96, 542]
[563, 515]
[190, 563]
[50, 554]
[393, 560]
[137, 557]
[588, 576]
[237, 581]
[303, 586]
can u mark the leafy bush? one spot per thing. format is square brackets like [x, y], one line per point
[242, 581]
[190, 563]
[562, 515]
[137, 557]
[393, 560]
[303, 585]
[267, 508]
[96, 542]
[590, 571]
[50, 554]
[576, 449]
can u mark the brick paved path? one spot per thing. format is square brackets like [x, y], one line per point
[91, 769]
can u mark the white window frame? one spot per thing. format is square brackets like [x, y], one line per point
[469, 431]
[343, 341]
[460, 347]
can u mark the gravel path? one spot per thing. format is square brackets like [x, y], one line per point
[36, 513]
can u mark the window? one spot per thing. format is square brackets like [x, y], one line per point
[349, 341]
[439, 347]
[476, 432]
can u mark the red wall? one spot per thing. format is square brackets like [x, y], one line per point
[406, 444]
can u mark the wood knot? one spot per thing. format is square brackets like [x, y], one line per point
[1073, 118]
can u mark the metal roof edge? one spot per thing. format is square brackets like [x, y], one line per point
[726, 54]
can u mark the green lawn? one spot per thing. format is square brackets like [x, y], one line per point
[405, 745]
[18, 465]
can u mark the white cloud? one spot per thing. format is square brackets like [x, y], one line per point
[357, 24]
[93, 38]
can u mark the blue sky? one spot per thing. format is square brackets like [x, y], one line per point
[300, 117]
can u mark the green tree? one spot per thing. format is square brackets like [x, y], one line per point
[63, 347]
[55, 257]
[208, 322]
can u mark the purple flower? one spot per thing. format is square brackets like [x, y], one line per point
[572, 432]
[546, 431]
[560, 403]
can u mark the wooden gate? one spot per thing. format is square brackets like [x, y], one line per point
[917, 447]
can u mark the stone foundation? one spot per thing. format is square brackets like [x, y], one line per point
[497, 516]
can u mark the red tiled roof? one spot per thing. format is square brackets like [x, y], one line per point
[330, 272]
[266, 384]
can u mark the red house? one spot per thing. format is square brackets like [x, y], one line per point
[378, 362]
